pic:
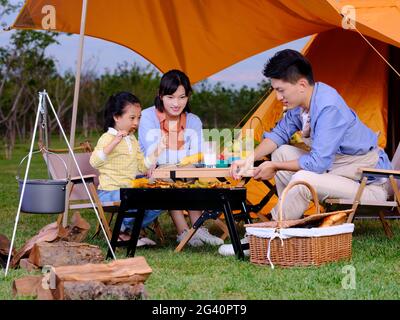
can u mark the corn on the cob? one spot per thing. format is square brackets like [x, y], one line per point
[194, 158]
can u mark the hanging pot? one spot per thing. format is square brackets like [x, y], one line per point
[43, 195]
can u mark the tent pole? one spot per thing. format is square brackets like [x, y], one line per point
[75, 102]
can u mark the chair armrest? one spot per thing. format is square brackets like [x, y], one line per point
[380, 172]
[87, 178]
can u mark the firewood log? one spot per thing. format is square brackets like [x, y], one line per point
[96, 290]
[124, 273]
[27, 265]
[31, 286]
[64, 253]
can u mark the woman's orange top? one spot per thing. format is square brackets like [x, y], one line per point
[174, 130]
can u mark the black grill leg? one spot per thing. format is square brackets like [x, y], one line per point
[137, 225]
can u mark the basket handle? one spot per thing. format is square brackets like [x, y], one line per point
[286, 190]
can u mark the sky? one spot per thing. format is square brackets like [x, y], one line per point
[104, 55]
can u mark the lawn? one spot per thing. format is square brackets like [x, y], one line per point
[201, 273]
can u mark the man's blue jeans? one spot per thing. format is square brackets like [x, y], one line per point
[127, 223]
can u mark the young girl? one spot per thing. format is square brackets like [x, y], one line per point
[171, 119]
[117, 155]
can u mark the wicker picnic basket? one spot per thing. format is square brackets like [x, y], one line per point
[289, 247]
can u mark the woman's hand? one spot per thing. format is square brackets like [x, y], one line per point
[163, 144]
[265, 171]
[239, 167]
[152, 158]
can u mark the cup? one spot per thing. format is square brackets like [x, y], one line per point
[210, 154]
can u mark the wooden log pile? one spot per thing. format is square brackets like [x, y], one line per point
[33, 286]
[120, 279]
[4, 250]
[76, 231]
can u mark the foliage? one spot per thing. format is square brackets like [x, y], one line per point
[6, 8]
[25, 70]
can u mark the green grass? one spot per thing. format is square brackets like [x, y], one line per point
[201, 273]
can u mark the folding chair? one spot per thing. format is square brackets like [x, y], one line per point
[384, 207]
[78, 197]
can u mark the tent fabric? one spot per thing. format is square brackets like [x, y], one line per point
[199, 37]
[378, 19]
[202, 37]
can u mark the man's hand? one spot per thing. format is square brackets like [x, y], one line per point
[265, 171]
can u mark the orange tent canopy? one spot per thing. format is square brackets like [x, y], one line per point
[204, 37]
[198, 37]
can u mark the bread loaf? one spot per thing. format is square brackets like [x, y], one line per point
[334, 219]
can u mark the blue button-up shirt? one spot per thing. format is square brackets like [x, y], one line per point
[335, 129]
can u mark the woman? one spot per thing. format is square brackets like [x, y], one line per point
[170, 119]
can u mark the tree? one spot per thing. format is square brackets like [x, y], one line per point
[7, 8]
[24, 70]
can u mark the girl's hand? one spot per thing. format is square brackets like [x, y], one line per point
[120, 135]
[110, 147]
[150, 171]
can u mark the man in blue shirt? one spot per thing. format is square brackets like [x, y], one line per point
[339, 142]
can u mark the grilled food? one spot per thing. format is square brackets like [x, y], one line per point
[180, 184]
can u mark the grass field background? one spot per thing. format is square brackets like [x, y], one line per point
[201, 273]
